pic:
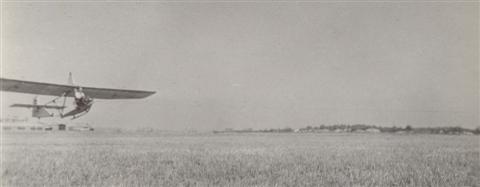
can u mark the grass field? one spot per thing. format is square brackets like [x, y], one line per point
[102, 159]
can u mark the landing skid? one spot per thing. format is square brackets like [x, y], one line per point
[77, 116]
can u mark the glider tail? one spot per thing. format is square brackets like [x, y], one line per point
[38, 111]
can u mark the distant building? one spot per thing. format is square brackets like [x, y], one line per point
[16, 124]
[62, 127]
[80, 128]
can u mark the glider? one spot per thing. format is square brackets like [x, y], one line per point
[83, 96]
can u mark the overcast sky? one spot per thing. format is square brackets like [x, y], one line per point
[253, 65]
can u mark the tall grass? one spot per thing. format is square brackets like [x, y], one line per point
[81, 159]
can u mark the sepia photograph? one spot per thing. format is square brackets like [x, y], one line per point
[239, 93]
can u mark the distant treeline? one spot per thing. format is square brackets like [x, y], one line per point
[361, 128]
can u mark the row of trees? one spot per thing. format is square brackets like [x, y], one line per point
[365, 128]
[394, 129]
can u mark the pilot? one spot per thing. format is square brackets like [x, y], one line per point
[79, 96]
